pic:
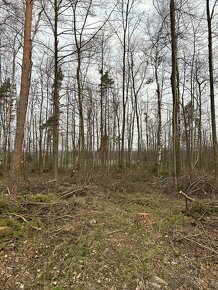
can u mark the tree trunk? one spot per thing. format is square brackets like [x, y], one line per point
[55, 96]
[176, 163]
[212, 101]
[159, 114]
[23, 101]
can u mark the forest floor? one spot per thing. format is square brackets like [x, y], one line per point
[107, 234]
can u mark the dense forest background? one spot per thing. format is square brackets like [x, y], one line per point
[109, 85]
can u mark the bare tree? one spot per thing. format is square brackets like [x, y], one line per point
[210, 15]
[23, 101]
[176, 153]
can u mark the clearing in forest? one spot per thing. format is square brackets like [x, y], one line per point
[89, 237]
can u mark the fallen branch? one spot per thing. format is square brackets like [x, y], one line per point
[39, 203]
[25, 220]
[187, 198]
[199, 244]
[75, 191]
[196, 182]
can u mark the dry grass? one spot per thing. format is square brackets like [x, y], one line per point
[88, 236]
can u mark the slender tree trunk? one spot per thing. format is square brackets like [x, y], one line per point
[80, 101]
[55, 96]
[199, 122]
[124, 104]
[212, 101]
[136, 112]
[124, 91]
[23, 101]
[40, 141]
[174, 93]
[66, 153]
[102, 146]
[159, 126]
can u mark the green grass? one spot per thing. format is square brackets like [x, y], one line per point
[204, 209]
[44, 198]
[9, 204]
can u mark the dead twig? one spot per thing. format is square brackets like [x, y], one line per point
[195, 183]
[74, 191]
[52, 180]
[187, 198]
[199, 244]
[70, 193]
[40, 203]
[24, 220]
[63, 217]
[199, 183]
[65, 228]
[8, 190]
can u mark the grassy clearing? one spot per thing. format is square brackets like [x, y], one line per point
[94, 242]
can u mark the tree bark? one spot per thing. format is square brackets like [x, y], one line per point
[176, 159]
[23, 101]
[212, 101]
[56, 112]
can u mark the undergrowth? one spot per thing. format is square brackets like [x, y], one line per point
[102, 240]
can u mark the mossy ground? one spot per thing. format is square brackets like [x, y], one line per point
[92, 241]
